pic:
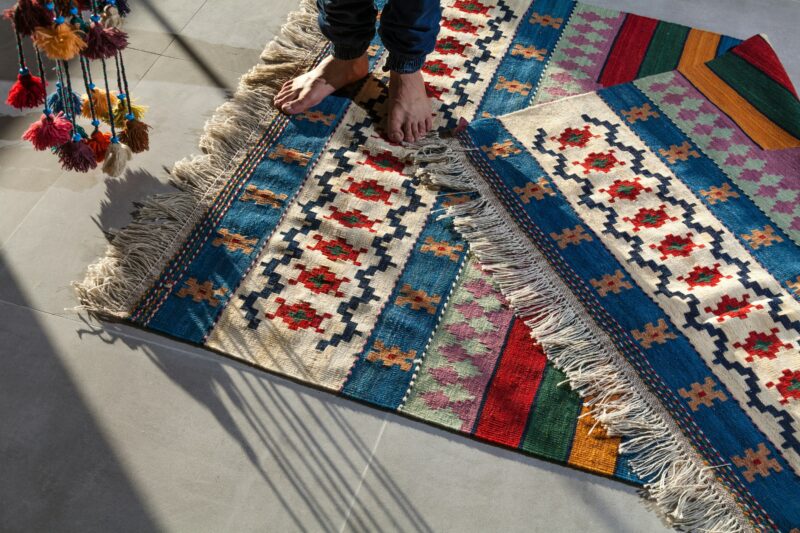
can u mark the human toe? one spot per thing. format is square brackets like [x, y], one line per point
[396, 135]
[408, 132]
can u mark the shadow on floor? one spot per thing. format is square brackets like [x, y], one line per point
[283, 436]
[59, 472]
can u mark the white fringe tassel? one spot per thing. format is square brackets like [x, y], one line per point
[682, 487]
[139, 252]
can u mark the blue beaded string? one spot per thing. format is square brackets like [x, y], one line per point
[90, 87]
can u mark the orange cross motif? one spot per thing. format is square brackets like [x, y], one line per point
[290, 155]
[678, 152]
[503, 149]
[393, 356]
[513, 86]
[756, 462]
[234, 241]
[202, 292]
[317, 116]
[417, 299]
[534, 189]
[546, 20]
[611, 283]
[653, 334]
[442, 249]
[762, 237]
[263, 197]
[570, 236]
[703, 394]
[529, 52]
[716, 194]
[642, 113]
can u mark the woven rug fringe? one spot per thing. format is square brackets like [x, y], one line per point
[681, 486]
[139, 252]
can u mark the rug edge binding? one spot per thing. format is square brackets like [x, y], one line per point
[681, 486]
[140, 251]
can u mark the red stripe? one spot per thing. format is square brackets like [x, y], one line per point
[757, 51]
[512, 389]
[630, 47]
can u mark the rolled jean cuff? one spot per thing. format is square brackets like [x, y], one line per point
[345, 51]
[404, 64]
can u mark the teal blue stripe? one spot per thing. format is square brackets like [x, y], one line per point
[402, 326]
[515, 67]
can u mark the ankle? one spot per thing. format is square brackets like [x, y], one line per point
[405, 79]
[355, 62]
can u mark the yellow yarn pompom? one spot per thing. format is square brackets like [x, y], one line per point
[61, 41]
[121, 110]
[100, 104]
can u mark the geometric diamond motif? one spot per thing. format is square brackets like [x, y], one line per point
[757, 462]
[393, 356]
[703, 394]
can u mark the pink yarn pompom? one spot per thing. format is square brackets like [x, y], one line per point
[49, 131]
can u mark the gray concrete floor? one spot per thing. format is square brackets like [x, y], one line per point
[107, 428]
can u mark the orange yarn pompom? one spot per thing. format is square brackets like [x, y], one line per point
[100, 102]
[60, 41]
[99, 141]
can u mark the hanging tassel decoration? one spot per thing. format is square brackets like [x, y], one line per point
[117, 158]
[28, 91]
[59, 100]
[111, 17]
[122, 6]
[99, 142]
[28, 15]
[136, 135]
[76, 155]
[118, 154]
[61, 40]
[124, 108]
[50, 131]
[99, 99]
[103, 42]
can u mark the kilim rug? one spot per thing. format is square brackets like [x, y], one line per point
[640, 232]
[306, 246]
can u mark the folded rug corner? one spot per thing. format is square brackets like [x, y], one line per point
[622, 225]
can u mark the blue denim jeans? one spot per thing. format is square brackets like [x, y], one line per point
[408, 29]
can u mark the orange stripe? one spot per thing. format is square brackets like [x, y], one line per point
[700, 46]
[596, 452]
[762, 130]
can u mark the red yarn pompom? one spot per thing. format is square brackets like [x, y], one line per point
[49, 131]
[99, 142]
[77, 156]
[103, 43]
[28, 91]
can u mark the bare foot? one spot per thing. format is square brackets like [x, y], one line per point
[309, 89]
[409, 108]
